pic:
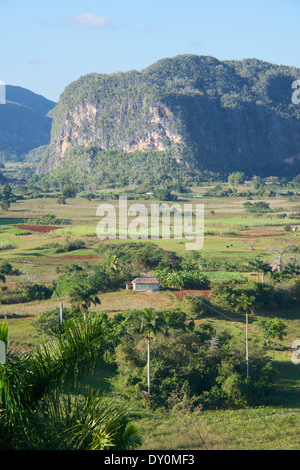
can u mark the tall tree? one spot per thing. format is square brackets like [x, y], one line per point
[246, 303]
[280, 247]
[260, 267]
[150, 323]
[82, 297]
[291, 269]
[273, 329]
[6, 197]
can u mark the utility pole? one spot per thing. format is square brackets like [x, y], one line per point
[149, 365]
[247, 345]
[61, 313]
[2, 352]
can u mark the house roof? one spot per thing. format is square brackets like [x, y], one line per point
[145, 280]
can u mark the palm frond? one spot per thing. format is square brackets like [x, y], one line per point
[61, 361]
[69, 356]
[4, 332]
[89, 423]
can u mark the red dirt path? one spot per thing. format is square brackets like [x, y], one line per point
[38, 228]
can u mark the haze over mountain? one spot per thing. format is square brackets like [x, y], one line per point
[197, 112]
[25, 121]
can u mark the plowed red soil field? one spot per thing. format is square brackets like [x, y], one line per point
[38, 228]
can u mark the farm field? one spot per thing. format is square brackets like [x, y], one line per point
[232, 236]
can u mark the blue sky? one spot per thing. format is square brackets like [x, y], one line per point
[47, 45]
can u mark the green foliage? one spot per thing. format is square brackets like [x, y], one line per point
[4, 333]
[134, 258]
[237, 177]
[92, 424]
[26, 293]
[296, 290]
[36, 415]
[6, 197]
[82, 296]
[195, 306]
[14, 231]
[164, 195]
[209, 365]
[36, 292]
[257, 207]
[117, 169]
[259, 266]
[69, 190]
[264, 295]
[48, 323]
[7, 269]
[182, 279]
[48, 219]
[99, 278]
[165, 107]
[71, 245]
[272, 329]
[61, 200]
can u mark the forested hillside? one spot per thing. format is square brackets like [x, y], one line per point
[25, 122]
[207, 115]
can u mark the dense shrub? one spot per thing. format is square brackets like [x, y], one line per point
[26, 293]
[48, 323]
[47, 219]
[266, 295]
[37, 292]
[7, 269]
[195, 305]
[71, 246]
[257, 207]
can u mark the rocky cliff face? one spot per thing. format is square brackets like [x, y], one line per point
[220, 116]
[129, 122]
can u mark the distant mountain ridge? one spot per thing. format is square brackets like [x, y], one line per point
[25, 121]
[209, 115]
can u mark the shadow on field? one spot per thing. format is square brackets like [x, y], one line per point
[33, 253]
[286, 391]
[14, 316]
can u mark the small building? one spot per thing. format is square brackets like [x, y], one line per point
[145, 284]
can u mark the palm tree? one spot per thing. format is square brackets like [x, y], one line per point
[150, 323]
[246, 303]
[291, 270]
[35, 414]
[260, 267]
[82, 297]
[113, 263]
